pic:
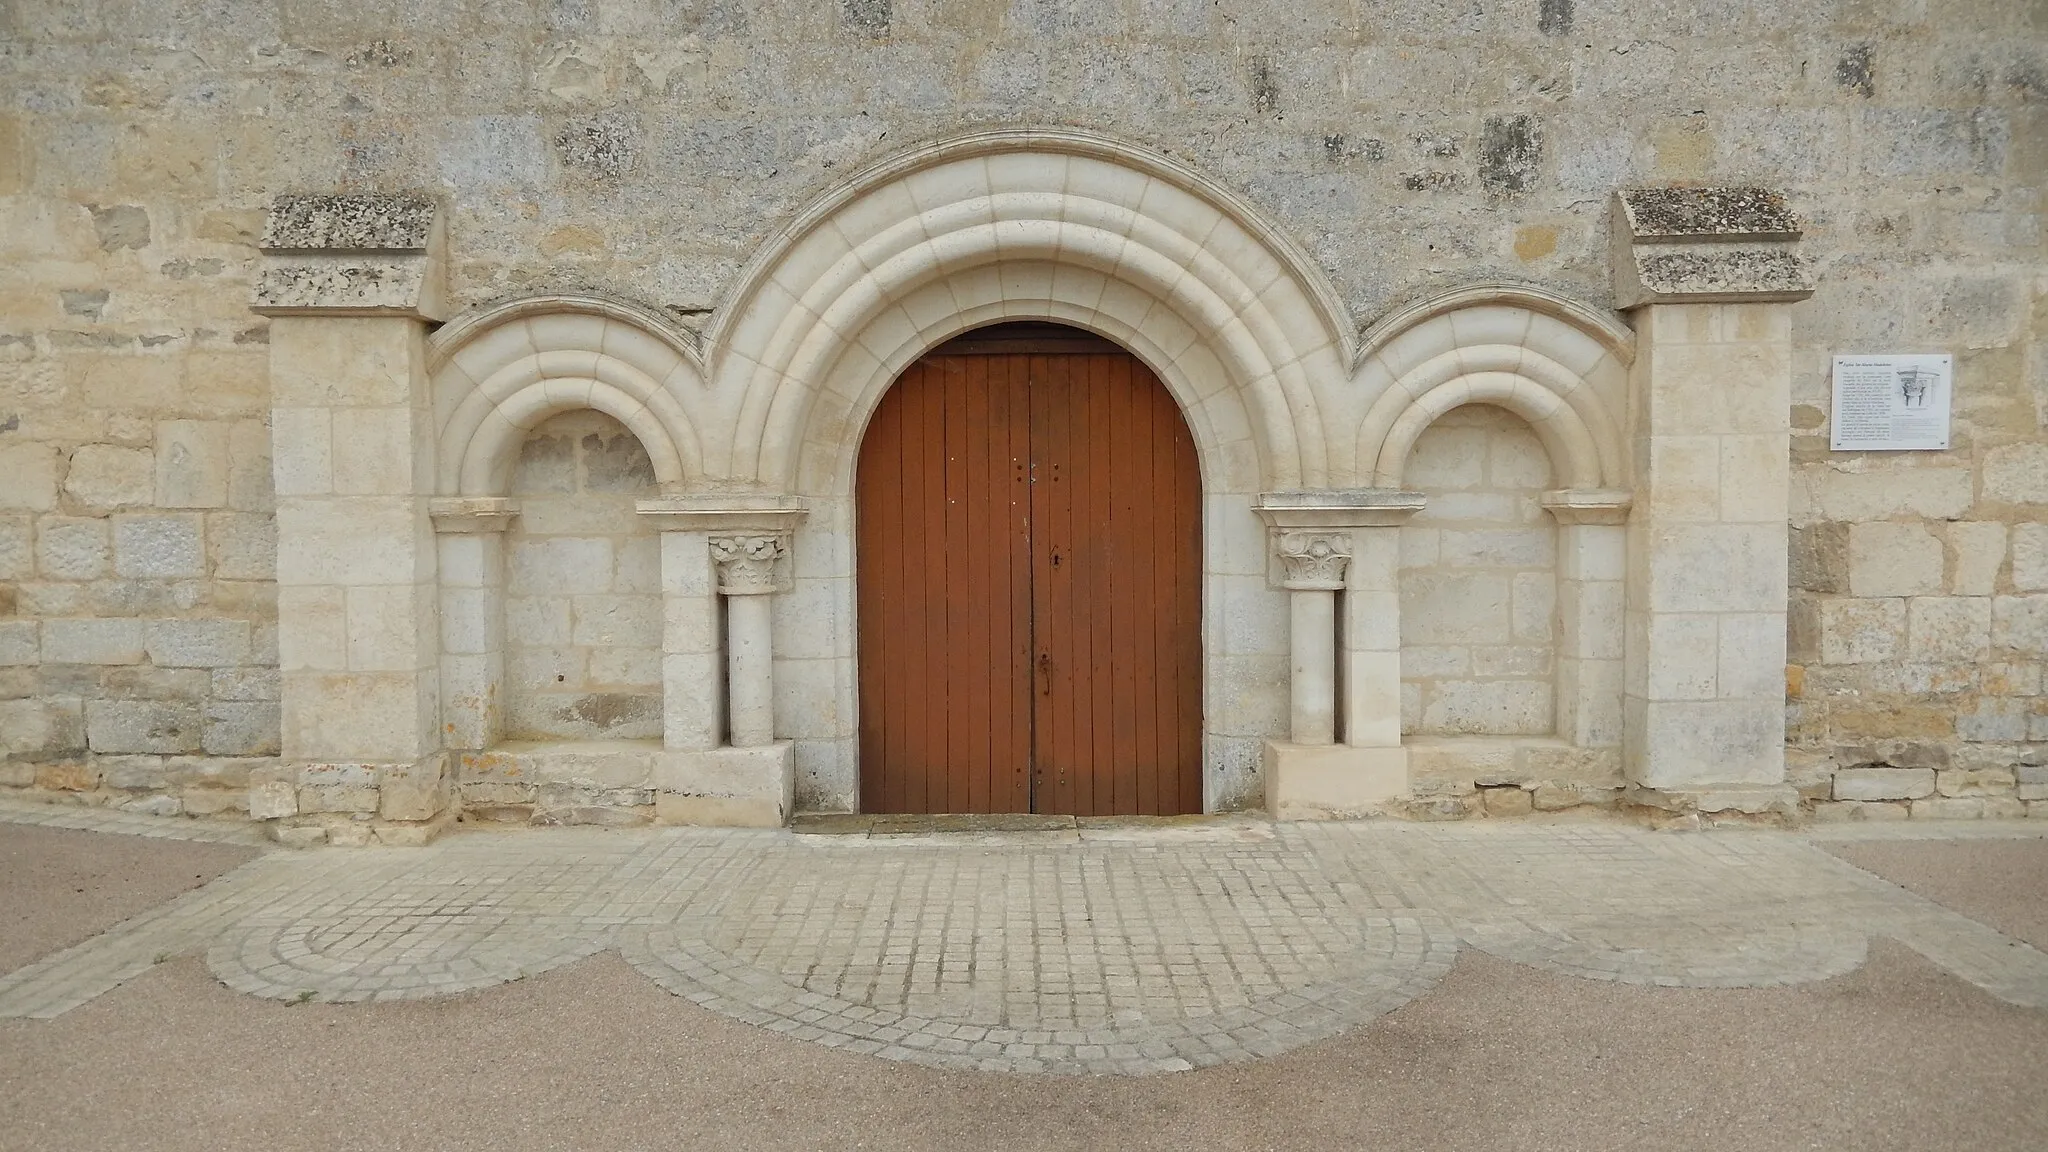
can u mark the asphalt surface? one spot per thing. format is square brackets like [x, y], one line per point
[1895, 1055]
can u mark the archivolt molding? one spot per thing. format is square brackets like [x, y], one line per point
[1558, 364]
[1050, 225]
[500, 371]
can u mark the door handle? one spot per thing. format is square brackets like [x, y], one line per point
[1045, 673]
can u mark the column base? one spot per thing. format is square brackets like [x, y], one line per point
[726, 787]
[354, 803]
[1331, 781]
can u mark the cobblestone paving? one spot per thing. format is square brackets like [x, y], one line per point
[1104, 950]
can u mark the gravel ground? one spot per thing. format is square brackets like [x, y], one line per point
[2003, 883]
[58, 887]
[593, 1056]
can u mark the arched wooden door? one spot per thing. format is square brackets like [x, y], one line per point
[1029, 541]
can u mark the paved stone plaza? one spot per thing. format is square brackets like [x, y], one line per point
[1101, 948]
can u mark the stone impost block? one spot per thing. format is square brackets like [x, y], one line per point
[1331, 781]
[1704, 245]
[1337, 508]
[727, 787]
[360, 255]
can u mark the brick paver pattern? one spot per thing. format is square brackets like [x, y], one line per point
[1109, 950]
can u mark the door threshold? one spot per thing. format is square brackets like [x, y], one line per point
[912, 824]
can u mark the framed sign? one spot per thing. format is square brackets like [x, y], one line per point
[1891, 403]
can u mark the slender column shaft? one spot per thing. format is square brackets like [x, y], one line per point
[1313, 703]
[749, 671]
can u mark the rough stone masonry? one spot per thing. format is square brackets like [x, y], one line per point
[648, 149]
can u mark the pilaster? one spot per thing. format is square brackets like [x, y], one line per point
[350, 283]
[1709, 274]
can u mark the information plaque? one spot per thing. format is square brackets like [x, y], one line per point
[1891, 403]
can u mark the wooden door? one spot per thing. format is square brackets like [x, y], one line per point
[1029, 544]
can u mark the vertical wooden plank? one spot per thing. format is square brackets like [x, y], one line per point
[1052, 606]
[956, 543]
[931, 527]
[1016, 379]
[870, 481]
[907, 715]
[1187, 506]
[1107, 536]
[1141, 479]
[974, 665]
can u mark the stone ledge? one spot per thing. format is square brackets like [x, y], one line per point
[364, 222]
[1338, 507]
[369, 255]
[1706, 245]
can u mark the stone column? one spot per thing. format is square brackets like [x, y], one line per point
[1708, 275]
[472, 546]
[747, 576]
[349, 283]
[1339, 554]
[721, 763]
[1314, 562]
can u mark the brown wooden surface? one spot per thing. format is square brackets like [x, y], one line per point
[1029, 547]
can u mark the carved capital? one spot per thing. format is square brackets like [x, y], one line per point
[749, 565]
[1314, 560]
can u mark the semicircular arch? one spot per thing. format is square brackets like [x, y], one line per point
[499, 371]
[1050, 225]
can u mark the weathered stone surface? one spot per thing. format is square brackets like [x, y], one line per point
[1508, 802]
[2017, 473]
[19, 645]
[1887, 559]
[162, 547]
[1663, 214]
[93, 641]
[364, 222]
[106, 476]
[241, 729]
[393, 286]
[133, 773]
[142, 726]
[1884, 783]
[198, 643]
[2030, 557]
[1720, 273]
[1976, 782]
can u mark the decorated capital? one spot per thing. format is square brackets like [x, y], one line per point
[1314, 560]
[748, 565]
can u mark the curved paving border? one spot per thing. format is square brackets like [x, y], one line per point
[1399, 958]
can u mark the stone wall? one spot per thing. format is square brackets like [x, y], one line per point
[583, 605]
[1479, 581]
[649, 148]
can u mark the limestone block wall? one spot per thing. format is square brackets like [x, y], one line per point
[1479, 581]
[649, 151]
[583, 597]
